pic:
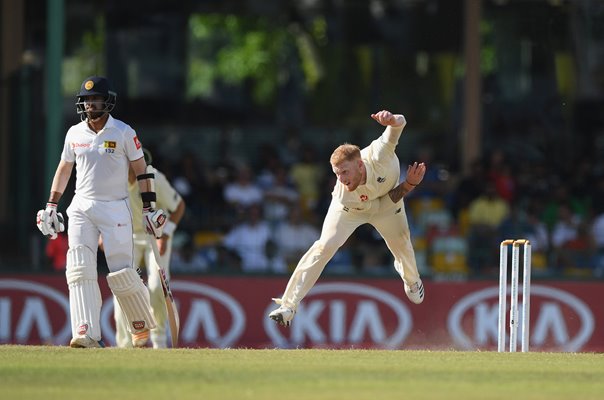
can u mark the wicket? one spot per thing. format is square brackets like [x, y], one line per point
[526, 293]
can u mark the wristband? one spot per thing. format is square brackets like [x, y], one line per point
[145, 176]
[411, 183]
[169, 228]
[148, 197]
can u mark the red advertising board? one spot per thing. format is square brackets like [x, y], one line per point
[338, 313]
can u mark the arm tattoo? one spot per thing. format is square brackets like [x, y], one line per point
[399, 192]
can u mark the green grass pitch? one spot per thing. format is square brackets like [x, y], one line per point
[45, 372]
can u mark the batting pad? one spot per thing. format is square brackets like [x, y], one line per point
[133, 297]
[84, 293]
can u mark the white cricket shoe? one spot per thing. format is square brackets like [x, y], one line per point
[415, 292]
[282, 315]
[85, 342]
[140, 339]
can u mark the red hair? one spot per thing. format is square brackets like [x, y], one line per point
[345, 152]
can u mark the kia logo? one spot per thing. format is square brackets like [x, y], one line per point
[202, 318]
[558, 319]
[360, 313]
[32, 313]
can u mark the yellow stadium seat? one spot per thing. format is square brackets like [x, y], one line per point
[448, 255]
[421, 205]
[206, 238]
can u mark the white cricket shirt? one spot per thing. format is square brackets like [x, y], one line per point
[102, 158]
[383, 173]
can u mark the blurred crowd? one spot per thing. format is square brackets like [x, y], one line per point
[261, 218]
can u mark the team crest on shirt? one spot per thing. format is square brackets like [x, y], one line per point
[364, 197]
[137, 143]
[109, 146]
[381, 180]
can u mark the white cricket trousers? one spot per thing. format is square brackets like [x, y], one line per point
[143, 256]
[87, 220]
[388, 218]
[112, 220]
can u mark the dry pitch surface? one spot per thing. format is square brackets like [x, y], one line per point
[44, 372]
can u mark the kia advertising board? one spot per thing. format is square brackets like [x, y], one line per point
[223, 312]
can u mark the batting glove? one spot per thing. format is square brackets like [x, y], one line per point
[154, 221]
[49, 221]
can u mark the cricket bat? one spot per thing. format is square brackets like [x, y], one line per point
[173, 318]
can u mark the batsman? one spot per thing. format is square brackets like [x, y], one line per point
[102, 149]
[367, 190]
[168, 199]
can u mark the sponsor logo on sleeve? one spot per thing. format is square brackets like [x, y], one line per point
[137, 143]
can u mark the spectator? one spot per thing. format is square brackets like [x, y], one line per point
[566, 226]
[500, 173]
[279, 198]
[187, 259]
[199, 188]
[293, 237]
[486, 214]
[521, 224]
[324, 200]
[434, 184]
[188, 180]
[270, 163]
[578, 252]
[525, 224]
[307, 175]
[249, 241]
[537, 232]
[597, 233]
[561, 197]
[243, 192]
[470, 187]
[571, 239]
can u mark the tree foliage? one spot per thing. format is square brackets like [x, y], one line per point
[245, 51]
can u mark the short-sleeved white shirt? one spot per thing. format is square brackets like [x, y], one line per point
[102, 158]
[383, 173]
